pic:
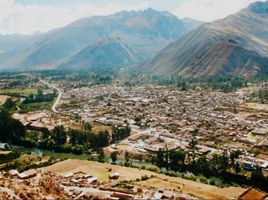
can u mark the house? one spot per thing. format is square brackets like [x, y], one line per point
[27, 174]
[13, 172]
[92, 180]
[248, 165]
[69, 175]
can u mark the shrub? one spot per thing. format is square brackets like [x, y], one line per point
[78, 149]
[66, 148]
[144, 178]
[191, 177]
[153, 168]
[143, 167]
[203, 179]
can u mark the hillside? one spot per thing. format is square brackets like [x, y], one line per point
[109, 52]
[145, 32]
[206, 52]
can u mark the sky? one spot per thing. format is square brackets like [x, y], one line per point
[32, 16]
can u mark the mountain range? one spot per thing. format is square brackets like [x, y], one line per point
[234, 46]
[132, 36]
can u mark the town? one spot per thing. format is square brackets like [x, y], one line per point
[136, 125]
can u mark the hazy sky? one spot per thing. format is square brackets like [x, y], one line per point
[30, 16]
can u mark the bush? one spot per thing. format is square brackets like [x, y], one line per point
[144, 178]
[66, 148]
[152, 168]
[27, 142]
[78, 149]
[203, 179]
[191, 177]
[215, 181]
[211, 181]
[171, 173]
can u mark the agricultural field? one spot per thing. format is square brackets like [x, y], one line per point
[18, 92]
[102, 171]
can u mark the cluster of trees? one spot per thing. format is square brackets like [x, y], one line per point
[39, 97]
[94, 76]
[223, 166]
[11, 130]
[9, 104]
[120, 133]
[75, 141]
[174, 160]
[262, 95]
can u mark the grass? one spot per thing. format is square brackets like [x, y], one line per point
[35, 106]
[18, 92]
[96, 127]
[155, 180]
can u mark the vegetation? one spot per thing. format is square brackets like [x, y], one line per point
[120, 133]
[79, 141]
[221, 166]
[11, 130]
[39, 97]
[35, 106]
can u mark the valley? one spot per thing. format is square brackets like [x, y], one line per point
[123, 101]
[139, 125]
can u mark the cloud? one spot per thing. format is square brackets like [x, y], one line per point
[31, 18]
[209, 10]
[34, 17]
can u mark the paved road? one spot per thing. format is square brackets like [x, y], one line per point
[55, 104]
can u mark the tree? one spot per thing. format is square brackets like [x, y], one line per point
[9, 104]
[87, 126]
[114, 156]
[176, 159]
[192, 144]
[11, 130]
[103, 138]
[126, 157]
[257, 178]
[40, 96]
[120, 133]
[101, 156]
[59, 135]
[73, 135]
[202, 166]
[45, 133]
[233, 156]
[160, 162]
[219, 164]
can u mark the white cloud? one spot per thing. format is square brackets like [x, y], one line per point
[31, 18]
[28, 19]
[209, 10]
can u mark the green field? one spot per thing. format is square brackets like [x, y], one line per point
[18, 92]
[35, 106]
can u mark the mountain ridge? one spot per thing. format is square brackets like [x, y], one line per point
[146, 32]
[248, 29]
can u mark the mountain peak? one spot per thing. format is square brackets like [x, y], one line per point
[259, 7]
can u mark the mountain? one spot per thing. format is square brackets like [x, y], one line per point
[145, 32]
[107, 53]
[9, 42]
[236, 45]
